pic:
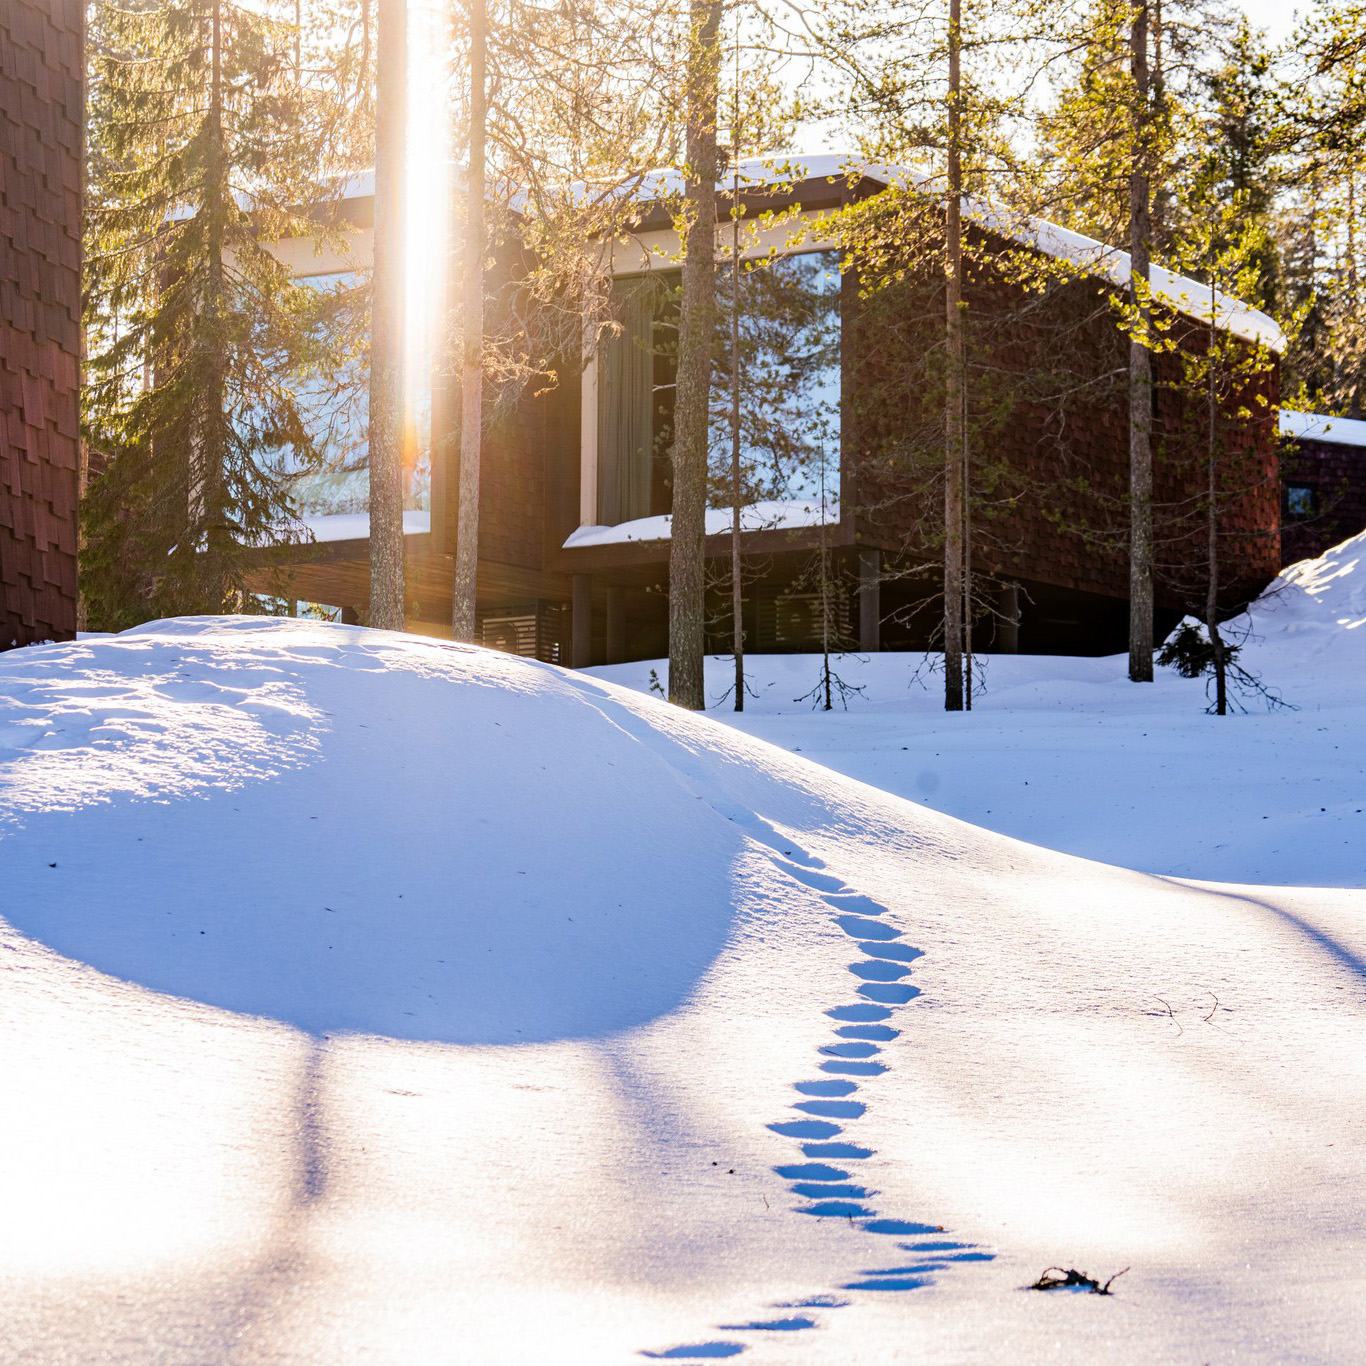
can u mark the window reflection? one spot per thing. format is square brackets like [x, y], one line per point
[335, 407]
[789, 363]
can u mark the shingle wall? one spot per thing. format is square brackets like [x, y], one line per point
[41, 118]
[1335, 474]
[1049, 385]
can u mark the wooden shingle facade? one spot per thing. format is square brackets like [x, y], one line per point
[1323, 482]
[41, 129]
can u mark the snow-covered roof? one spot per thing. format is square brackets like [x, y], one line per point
[773, 515]
[1178, 292]
[1341, 431]
[355, 526]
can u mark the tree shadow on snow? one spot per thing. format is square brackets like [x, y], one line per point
[358, 845]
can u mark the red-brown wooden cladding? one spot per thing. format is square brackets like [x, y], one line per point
[41, 120]
[1334, 472]
[1056, 368]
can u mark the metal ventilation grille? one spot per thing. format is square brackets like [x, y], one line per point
[793, 621]
[537, 630]
[552, 641]
[515, 634]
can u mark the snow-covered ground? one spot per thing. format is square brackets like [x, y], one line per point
[1067, 753]
[364, 997]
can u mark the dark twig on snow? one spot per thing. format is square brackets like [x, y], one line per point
[1056, 1278]
[1172, 1013]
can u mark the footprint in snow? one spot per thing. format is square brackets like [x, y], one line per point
[825, 1179]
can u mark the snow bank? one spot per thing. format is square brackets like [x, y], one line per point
[368, 997]
[1308, 625]
[773, 515]
[1065, 752]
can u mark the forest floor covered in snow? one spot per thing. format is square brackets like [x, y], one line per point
[1065, 752]
[365, 997]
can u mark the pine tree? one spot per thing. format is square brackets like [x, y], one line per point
[560, 112]
[1222, 396]
[387, 322]
[463, 590]
[1241, 143]
[938, 91]
[696, 323]
[1326, 228]
[1140, 357]
[1151, 114]
[204, 143]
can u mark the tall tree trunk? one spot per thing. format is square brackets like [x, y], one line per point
[1216, 640]
[825, 598]
[1140, 371]
[1161, 193]
[386, 323]
[464, 587]
[696, 320]
[737, 599]
[1355, 396]
[209, 440]
[953, 380]
[967, 569]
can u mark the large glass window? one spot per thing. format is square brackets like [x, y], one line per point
[789, 373]
[335, 406]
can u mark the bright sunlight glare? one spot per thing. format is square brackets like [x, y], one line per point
[427, 195]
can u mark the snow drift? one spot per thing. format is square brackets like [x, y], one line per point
[1067, 753]
[368, 997]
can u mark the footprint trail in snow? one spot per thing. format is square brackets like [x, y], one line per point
[825, 1179]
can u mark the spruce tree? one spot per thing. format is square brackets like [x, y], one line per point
[1325, 95]
[205, 146]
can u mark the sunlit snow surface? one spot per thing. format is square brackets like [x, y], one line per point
[1067, 753]
[367, 998]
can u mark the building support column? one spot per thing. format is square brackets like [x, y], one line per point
[870, 601]
[581, 623]
[616, 625]
[1008, 629]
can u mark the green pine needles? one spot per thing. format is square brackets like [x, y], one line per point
[209, 141]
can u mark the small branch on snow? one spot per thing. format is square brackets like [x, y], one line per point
[1179, 1030]
[1056, 1278]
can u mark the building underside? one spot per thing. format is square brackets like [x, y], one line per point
[610, 605]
